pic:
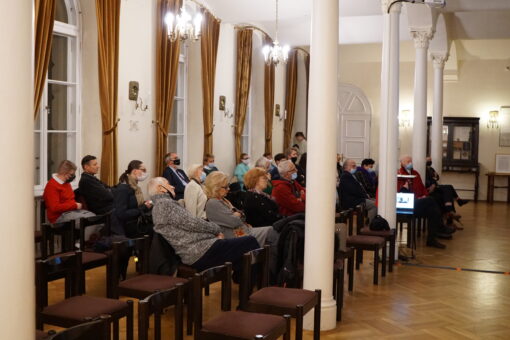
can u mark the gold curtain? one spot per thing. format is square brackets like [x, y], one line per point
[243, 76]
[108, 18]
[268, 102]
[167, 67]
[290, 97]
[44, 11]
[209, 48]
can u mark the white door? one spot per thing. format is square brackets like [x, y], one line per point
[354, 114]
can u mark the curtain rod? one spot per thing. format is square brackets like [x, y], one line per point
[205, 8]
[255, 28]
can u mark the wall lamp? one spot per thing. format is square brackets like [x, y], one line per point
[404, 119]
[493, 122]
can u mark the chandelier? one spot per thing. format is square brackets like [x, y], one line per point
[276, 54]
[183, 26]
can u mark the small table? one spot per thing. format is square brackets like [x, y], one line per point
[490, 186]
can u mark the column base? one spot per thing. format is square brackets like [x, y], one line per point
[328, 316]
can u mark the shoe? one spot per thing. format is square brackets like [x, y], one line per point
[444, 236]
[447, 230]
[461, 202]
[435, 244]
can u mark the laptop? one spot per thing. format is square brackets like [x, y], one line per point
[405, 203]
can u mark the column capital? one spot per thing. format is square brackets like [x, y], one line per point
[439, 59]
[395, 8]
[422, 37]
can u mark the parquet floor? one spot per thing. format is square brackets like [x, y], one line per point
[416, 302]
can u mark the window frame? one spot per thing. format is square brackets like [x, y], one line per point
[247, 126]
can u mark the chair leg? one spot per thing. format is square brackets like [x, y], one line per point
[129, 321]
[206, 290]
[383, 266]
[392, 253]
[116, 329]
[299, 323]
[317, 317]
[189, 308]
[376, 266]
[359, 253]
[350, 269]
[339, 294]
[286, 336]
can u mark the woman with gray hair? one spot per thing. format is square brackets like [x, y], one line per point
[199, 243]
[194, 196]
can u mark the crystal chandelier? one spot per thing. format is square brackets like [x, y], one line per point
[276, 53]
[183, 26]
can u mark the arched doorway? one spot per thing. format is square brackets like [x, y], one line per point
[354, 115]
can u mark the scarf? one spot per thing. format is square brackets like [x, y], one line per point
[133, 183]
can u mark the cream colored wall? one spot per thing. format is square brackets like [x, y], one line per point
[300, 115]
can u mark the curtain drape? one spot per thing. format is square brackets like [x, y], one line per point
[167, 67]
[268, 102]
[209, 49]
[243, 76]
[44, 12]
[108, 19]
[290, 97]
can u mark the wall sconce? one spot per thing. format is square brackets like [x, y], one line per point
[404, 119]
[223, 107]
[493, 122]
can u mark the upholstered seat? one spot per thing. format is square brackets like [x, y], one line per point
[91, 257]
[151, 283]
[389, 235]
[282, 297]
[365, 240]
[244, 325]
[77, 308]
[381, 233]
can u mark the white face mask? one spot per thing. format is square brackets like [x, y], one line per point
[246, 161]
[142, 177]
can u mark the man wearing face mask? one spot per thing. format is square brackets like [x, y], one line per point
[352, 192]
[292, 154]
[287, 192]
[366, 176]
[209, 165]
[175, 176]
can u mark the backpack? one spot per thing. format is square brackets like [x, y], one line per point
[291, 255]
[379, 224]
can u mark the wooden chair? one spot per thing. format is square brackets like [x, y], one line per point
[345, 216]
[233, 325]
[276, 300]
[78, 308]
[97, 329]
[155, 304]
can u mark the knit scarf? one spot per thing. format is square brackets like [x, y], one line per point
[133, 183]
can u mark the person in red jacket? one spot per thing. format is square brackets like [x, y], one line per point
[58, 194]
[287, 192]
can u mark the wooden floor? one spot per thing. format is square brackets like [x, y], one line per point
[416, 301]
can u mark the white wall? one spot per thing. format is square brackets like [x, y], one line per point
[300, 115]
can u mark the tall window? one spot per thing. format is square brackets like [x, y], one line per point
[245, 137]
[178, 124]
[57, 127]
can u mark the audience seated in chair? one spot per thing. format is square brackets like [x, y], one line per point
[287, 192]
[264, 164]
[219, 210]
[209, 165]
[175, 176]
[98, 196]
[199, 243]
[260, 209]
[366, 176]
[292, 154]
[194, 196]
[274, 171]
[241, 168]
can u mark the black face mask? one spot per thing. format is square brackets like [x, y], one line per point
[429, 163]
[177, 161]
[70, 179]
[294, 159]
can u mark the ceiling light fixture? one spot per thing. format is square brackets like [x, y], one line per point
[276, 54]
[183, 26]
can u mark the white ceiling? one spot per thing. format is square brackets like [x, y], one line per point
[361, 20]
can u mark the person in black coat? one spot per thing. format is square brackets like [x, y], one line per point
[274, 170]
[259, 208]
[98, 196]
[352, 192]
[175, 176]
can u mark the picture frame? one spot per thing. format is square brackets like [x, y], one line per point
[502, 163]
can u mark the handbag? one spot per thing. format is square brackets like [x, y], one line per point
[379, 224]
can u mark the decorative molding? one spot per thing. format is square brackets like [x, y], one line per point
[396, 8]
[422, 37]
[439, 60]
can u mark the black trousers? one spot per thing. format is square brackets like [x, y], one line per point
[427, 207]
[445, 194]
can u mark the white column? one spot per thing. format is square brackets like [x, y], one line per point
[321, 176]
[436, 146]
[421, 43]
[17, 292]
[388, 131]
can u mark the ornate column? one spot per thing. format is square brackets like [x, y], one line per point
[321, 179]
[388, 131]
[436, 131]
[421, 43]
[17, 317]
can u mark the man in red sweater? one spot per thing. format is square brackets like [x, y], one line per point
[287, 192]
[58, 194]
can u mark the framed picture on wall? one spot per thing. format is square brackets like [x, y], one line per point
[502, 163]
[504, 123]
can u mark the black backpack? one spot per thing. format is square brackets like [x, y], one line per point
[379, 224]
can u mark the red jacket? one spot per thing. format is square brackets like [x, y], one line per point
[418, 188]
[58, 199]
[285, 192]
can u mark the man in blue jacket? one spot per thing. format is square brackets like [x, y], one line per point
[175, 176]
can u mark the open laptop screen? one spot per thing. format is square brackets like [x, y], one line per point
[405, 201]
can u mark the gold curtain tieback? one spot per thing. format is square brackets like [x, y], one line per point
[107, 132]
[160, 128]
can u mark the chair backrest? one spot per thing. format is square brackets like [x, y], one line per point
[86, 222]
[255, 261]
[123, 250]
[360, 210]
[200, 280]
[68, 265]
[66, 230]
[155, 304]
[98, 330]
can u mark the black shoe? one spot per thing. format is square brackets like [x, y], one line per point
[435, 244]
[444, 236]
[447, 230]
[461, 202]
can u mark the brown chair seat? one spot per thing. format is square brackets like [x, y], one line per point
[381, 233]
[90, 257]
[282, 297]
[151, 283]
[41, 335]
[365, 240]
[80, 307]
[244, 325]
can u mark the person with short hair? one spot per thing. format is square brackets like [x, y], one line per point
[292, 154]
[194, 196]
[174, 175]
[366, 176]
[264, 164]
[59, 195]
[274, 171]
[287, 192]
[242, 168]
[352, 192]
[209, 165]
[301, 141]
[260, 209]
[97, 195]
